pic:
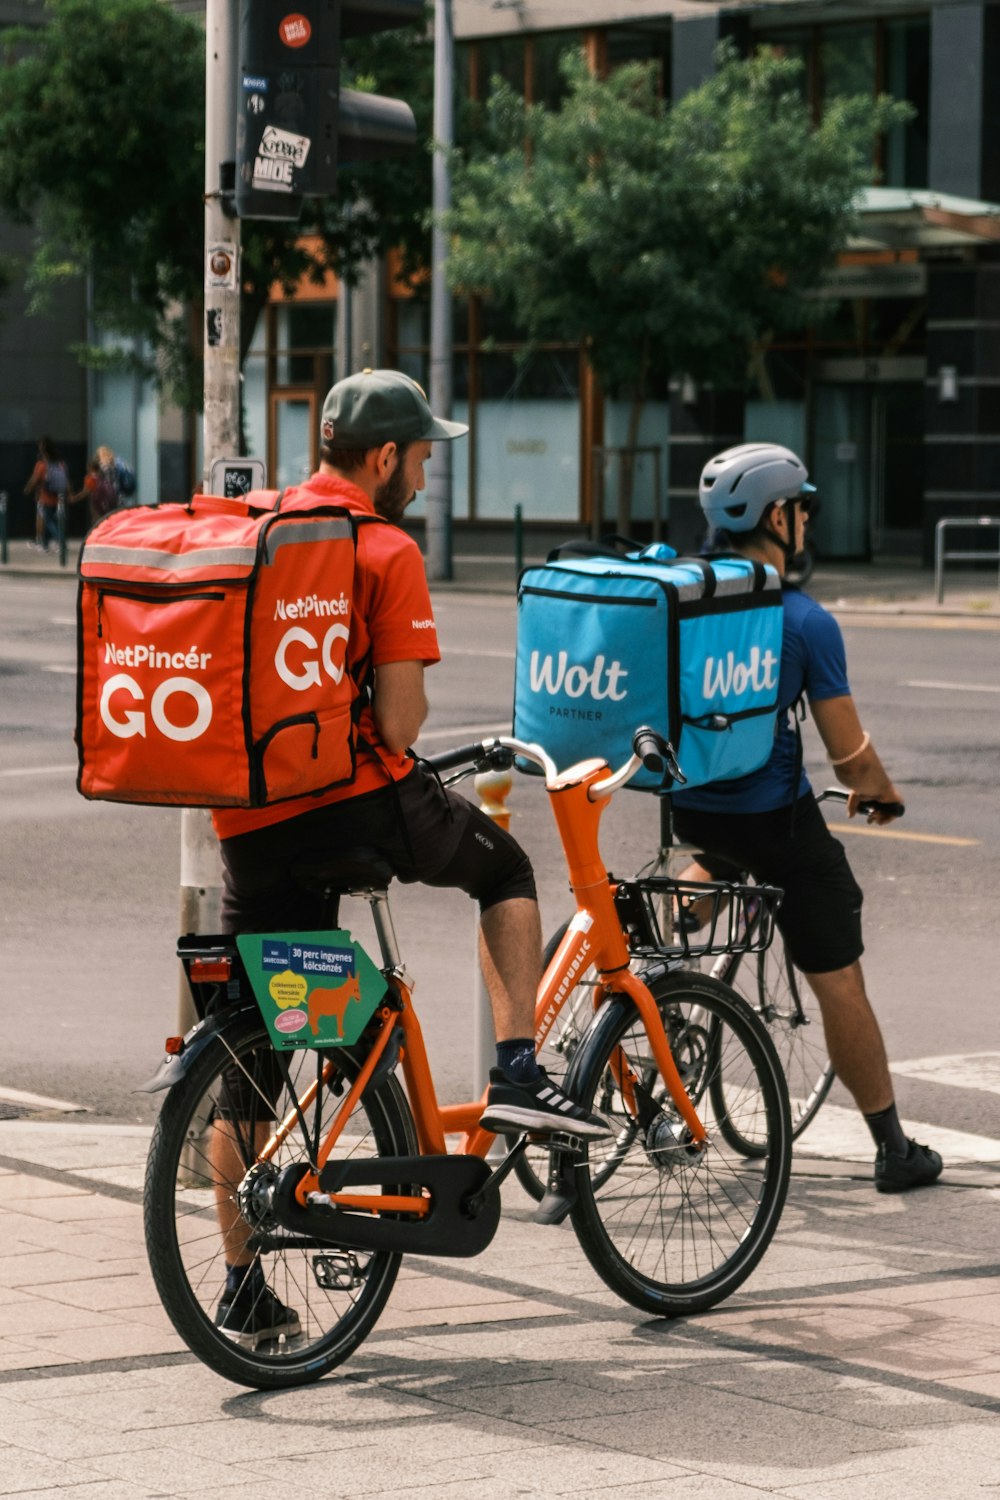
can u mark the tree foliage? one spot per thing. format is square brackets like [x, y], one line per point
[102, 121]
[666, 240]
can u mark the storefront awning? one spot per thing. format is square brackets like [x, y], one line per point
[918, 219]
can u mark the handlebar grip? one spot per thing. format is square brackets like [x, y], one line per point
[464, 755]
[896, 809]
[840, 794]
[646, 745]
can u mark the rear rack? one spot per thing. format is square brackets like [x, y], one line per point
[736, 918]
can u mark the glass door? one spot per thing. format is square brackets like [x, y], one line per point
[293, 444]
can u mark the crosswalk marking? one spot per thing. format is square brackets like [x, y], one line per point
[841, 1134]
[960, 1070]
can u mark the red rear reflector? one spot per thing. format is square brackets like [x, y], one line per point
[210, 970]
[173, 1045]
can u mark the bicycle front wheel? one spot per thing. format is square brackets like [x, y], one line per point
[676, 1228]
[779, 993]
[306, 1306]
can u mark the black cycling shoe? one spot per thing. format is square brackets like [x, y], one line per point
[255, 1316]
[895, 1174]
[538, 1107]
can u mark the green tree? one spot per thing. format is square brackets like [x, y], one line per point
[102, 120]
[665, 240]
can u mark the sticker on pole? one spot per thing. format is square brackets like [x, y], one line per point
[314, 989]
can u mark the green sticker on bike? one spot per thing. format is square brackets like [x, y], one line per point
[314, 989]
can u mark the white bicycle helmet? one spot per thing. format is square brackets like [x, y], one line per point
[738, 485]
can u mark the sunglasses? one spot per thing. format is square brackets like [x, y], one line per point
[808, 504]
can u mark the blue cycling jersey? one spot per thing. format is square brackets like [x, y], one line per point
[813, 662]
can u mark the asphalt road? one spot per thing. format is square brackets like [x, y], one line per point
[88, 892]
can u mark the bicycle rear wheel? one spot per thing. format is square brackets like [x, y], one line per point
[676, 1229]
[778, 991]
[201, 1208]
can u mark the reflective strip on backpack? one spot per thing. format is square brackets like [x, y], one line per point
[150, 557]
[328, 530]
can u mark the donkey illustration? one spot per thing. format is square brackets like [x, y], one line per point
[333, 1003]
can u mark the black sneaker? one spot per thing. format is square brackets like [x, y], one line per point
[895, 1173]
[255, 1317]
[538, 1107]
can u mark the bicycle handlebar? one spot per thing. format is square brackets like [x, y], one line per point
[649, 749]
[869, 805]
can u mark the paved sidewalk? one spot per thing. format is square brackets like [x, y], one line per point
[861, 1359]
[882, 588]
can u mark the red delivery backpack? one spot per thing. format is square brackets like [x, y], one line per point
[212, 652]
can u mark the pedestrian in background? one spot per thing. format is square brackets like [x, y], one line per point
[49, 484]
[100, 485]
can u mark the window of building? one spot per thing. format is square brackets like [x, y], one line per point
[637, 43]
[907, 76]
[873, 57]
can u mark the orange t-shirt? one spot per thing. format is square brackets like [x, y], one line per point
[392, 617]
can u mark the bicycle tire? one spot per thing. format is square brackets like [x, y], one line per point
[676, 1230]
[781, 997]
[183, 1237]
[555, 1056]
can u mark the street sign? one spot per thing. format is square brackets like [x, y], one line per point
[235, 477]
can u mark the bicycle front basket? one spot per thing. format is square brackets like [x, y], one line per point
[692, 919]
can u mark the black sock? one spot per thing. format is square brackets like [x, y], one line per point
[887, 1131]
[248, 1276]
[516, 1059]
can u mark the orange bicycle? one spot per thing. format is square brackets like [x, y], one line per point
[287, 1140]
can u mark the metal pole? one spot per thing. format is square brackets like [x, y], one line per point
[518, 540]
[201, 869]
[439, 477]
[61, 523]
[3, 526]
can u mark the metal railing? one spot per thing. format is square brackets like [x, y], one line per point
[964, 555]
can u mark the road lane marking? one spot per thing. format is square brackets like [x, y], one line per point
[899, 833]
[475, 730]
[39, 1101]
[955, 687]
[468, 651]
[40, 771]
[842, 1134]
[960, 1070]
[69, 671]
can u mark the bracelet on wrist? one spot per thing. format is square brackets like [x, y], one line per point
[842, 761]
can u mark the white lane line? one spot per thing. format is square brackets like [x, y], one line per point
[461, 731]
[955, 687]
[39, 1101]
[68, 671]
[467, 651]
[960, 1070]
[841, 1134]
[40, 771]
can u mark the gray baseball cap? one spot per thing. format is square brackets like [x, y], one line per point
[381, 406]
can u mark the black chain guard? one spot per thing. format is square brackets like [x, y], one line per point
[447, 1229]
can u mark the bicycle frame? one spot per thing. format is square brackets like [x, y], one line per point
[595, 937]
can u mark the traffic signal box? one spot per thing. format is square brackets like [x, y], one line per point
[294, 123]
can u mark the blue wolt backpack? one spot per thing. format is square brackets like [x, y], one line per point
[690, 646]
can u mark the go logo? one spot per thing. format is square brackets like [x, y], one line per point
[132, 721]
[308, 673]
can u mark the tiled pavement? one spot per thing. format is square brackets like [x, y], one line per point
[861, 1359]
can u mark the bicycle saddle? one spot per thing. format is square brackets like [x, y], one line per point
[351, 869]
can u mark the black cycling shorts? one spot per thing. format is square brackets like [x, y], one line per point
[424, 832]
[820, 917]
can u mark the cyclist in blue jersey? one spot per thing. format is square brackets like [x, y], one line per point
[757, 496]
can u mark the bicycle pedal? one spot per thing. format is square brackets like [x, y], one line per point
[565, 1144]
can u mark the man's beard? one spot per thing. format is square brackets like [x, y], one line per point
[392, 498]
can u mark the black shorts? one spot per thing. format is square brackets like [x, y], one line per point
[424, 832]
[820, 917]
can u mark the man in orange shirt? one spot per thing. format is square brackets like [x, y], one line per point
[376, 436]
